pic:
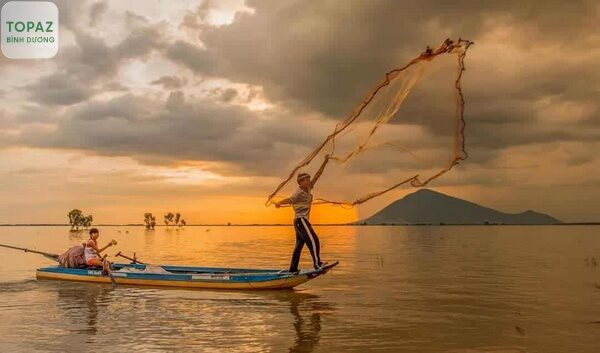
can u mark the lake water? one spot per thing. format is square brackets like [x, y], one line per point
[408, 289]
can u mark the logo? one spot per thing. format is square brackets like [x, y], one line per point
[29, 29]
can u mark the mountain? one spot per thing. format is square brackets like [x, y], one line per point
[430, 207]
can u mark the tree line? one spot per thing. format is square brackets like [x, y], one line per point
[77, 220]
[170, 219]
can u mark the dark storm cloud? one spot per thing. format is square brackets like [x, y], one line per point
[327, 54]
[127, 106]
[192, 56]
[140, 41]
[324, 56]
[320, 58]
[172, 130]
[61, 89]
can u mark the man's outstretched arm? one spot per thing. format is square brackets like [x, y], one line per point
[287, 201]
[320, 171]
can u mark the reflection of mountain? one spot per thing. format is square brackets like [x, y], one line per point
[430, 207]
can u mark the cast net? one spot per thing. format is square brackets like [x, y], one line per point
[408, 130]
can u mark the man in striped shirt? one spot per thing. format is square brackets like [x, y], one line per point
[301, 201]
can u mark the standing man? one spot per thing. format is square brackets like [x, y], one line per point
[301, 200]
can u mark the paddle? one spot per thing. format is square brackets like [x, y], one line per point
[133, 260]
[111, 243]
[46, 254]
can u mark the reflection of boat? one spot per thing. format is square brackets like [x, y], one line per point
[81, 306]
[187, 277]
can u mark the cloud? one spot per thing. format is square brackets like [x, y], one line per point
[86, 68]
[170, 82]
[175, 129]
[97, 10]
[324, 57]
[224, 95]
[60, 89]
[192, 56]
[530, 80]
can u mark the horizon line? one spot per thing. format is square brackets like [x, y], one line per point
[286, 224]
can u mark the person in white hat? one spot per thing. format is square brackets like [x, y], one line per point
[301, 201]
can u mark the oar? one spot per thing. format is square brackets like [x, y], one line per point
[111, 243]
[134, 259]
[46, 254]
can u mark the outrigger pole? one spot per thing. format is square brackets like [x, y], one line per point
[46, 254]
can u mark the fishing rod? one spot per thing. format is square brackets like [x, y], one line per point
[46, 254]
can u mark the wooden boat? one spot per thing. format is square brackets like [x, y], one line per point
[187, 277]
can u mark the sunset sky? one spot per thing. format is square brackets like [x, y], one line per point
[203, 107]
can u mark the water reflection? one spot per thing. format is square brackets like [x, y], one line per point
[81, 304]
[149, 237]
[77, 237]
[307, 310]
[90, 311]
[418, 289]
[307, 322]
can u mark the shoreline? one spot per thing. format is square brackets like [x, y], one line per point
[315, 224]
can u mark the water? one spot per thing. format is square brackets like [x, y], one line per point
[409, 289]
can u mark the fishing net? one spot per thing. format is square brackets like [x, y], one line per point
[409, 129]
[153, 269]
[73, 258]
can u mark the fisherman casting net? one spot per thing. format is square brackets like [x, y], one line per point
[408, 130]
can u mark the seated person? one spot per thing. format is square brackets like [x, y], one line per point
[92, 253]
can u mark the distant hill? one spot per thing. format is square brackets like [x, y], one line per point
[431, 207]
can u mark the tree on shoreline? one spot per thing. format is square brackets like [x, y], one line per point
[150, 221]
[86, 221]
[77, 219]
[174, 220]
[179, 221]
[168, 219]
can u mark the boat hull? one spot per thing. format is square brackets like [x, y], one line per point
[188, 277]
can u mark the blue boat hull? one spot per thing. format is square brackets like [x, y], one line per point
[187, 277]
